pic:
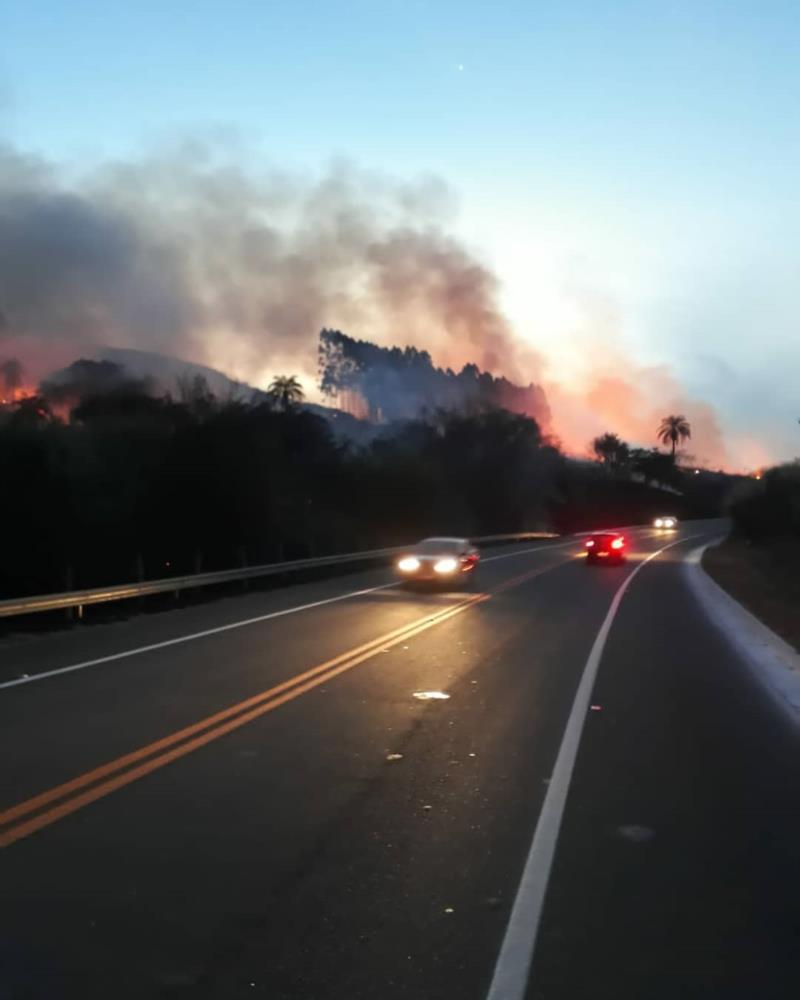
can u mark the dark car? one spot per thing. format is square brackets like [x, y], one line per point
[605, 546]
[438, 560]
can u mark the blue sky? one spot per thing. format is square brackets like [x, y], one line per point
[640, 155]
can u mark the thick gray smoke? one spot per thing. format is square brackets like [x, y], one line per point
[76, 269]
[193, 256]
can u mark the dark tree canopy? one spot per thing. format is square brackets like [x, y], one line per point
[402, 382]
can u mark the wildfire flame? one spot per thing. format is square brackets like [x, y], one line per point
[8, 397]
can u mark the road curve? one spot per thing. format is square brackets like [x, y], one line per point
[248, 798]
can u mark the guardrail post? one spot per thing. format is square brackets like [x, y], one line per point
[69, 582]
[139, 574]
[242, 552]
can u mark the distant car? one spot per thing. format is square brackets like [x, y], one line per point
[666, 522]
[438, 560]
[605, 546]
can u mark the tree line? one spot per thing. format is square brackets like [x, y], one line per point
[767, 509]
[133, 485]
[617, 456]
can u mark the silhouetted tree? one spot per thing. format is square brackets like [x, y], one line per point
[285, 391]
[611, 451]
[674, 430]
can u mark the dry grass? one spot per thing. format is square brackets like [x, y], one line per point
[764, 578]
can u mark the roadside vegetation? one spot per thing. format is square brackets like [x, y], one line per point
[105, 481]
[760, 563]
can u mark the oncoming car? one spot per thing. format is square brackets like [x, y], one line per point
[666, 522]
[605, 546]
[438, 560]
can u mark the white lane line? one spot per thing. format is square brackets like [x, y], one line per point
[510, 978]
[58, 671]
[188, 638]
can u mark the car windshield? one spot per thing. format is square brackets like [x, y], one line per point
[436, 546]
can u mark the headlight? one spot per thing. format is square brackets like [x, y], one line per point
[408, 564]
[669, 522]
[658, 523]
[446, 566]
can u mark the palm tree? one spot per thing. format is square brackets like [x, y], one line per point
[285, 391]
[674, 429]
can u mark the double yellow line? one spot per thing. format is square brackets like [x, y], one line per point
[34, 814]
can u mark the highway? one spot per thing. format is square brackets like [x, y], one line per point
[251, 797]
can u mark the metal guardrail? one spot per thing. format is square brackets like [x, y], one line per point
[101, 595]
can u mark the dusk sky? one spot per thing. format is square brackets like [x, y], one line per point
[628, 170]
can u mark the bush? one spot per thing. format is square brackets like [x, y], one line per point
[768, 507]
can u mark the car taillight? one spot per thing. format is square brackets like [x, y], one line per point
[590, 544]
[617, 543]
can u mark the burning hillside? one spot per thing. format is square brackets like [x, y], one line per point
[13, 385]
[395, 383]
[189, 255]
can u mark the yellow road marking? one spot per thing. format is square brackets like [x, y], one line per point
[119, 772]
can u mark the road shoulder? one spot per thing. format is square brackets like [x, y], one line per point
[772, 661]
[672, 873]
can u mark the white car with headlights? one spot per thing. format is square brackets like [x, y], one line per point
[438, 560]
[666, 522]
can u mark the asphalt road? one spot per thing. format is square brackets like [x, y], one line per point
[267, 810]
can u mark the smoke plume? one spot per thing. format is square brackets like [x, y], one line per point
[193, 256]
[190, 255]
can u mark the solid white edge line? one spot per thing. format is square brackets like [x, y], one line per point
[58, 671]
[188, 638]
[511, 971]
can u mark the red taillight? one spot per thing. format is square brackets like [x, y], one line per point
[617, 543]
[590, 543]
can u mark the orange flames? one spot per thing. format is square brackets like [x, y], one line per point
[10, 396]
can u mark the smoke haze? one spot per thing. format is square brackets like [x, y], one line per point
[191, 255]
